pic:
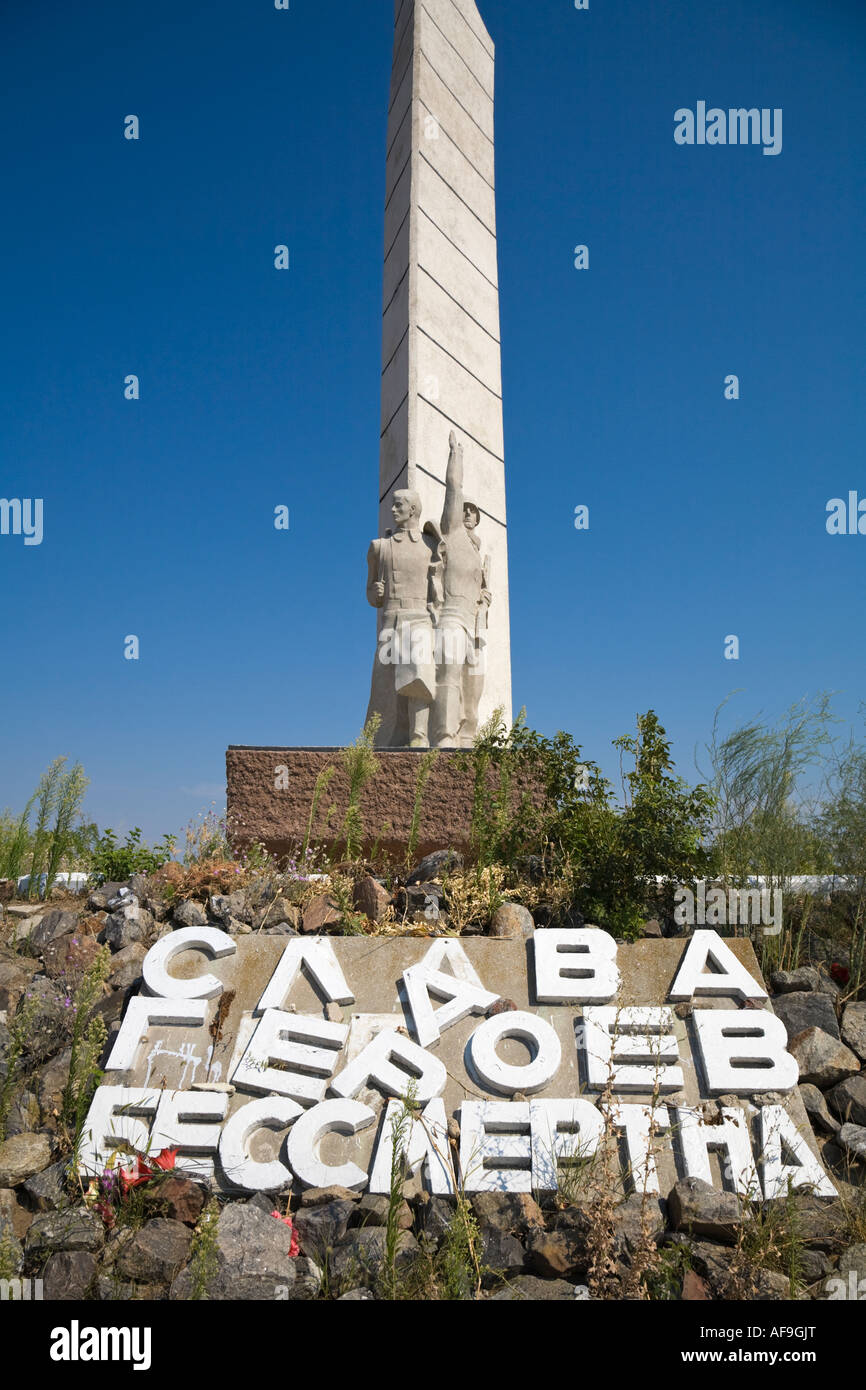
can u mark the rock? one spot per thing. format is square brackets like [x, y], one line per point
[713, 1263]
[23, 1156]
[52, 1081]
[16, 972]
[46, 1191]
[181, 1198]
[652, 929]
[189, 914]
[701, 1210]
[126, 926]
[695, 1289]
[321, 912]
[70, 1229]
[25, 1116]
[308, 1279]
[358, 1258]
[230, 906]
[854, 1029]
[264, 1201]
[373, 1211]
[51, 926]
[109, 1288]
[252, 1260]
[853, 1261]
[853, 1140]
[529, 1288]
[437, 1218]
[848, 1280]
[511, 922]
[637, 1219]
[822, 1059]
[502, 1254]
[125, 969]
[770, 1287]
[219, 908]
[372, 898]
[124, 898]
[558, 1254]
[24, 929]
[113, 1002]
[156, 1252]
[357, 1296]
[47, 1011]
[99, 900]
[319, 1196]
[323, 1227]
[8, 889]
[279, 913]
[14, 1213]
[425, 900]
[812, 1265]
[795, 981]
[816, 1109]
[11, 1249]
[819, 1223]
[435, 865]
[69, 956]
[848, 1100]
[68, 1276]
[803, 1010]
[511, 1212]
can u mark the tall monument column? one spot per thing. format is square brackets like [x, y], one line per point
[441, 373]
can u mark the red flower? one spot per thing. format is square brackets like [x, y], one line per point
[841, 974]
[294, 1248]
[144, 1169]
[166, 1159]
[106, 1211]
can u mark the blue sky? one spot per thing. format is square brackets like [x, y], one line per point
[260, 388]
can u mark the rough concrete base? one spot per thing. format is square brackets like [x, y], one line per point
[270, 793]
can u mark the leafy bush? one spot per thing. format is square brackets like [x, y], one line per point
[115, 863]
[535, 796]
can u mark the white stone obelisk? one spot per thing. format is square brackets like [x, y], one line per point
[440, 334]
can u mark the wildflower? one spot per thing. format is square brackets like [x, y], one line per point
[841, 974]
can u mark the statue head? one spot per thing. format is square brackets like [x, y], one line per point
[406, 508]
[471, 516]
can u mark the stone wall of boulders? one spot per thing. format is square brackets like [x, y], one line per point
[182, 1244]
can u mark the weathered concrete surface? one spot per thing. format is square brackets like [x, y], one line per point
[440, 321]
[179, 1058]
[257, 811]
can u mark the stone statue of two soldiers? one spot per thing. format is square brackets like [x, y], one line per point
[433, 587]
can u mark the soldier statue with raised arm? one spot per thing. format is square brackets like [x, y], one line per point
[462, 617]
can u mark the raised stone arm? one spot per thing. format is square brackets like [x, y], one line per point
[452, 512]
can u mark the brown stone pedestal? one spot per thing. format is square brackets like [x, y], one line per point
[270, 793]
